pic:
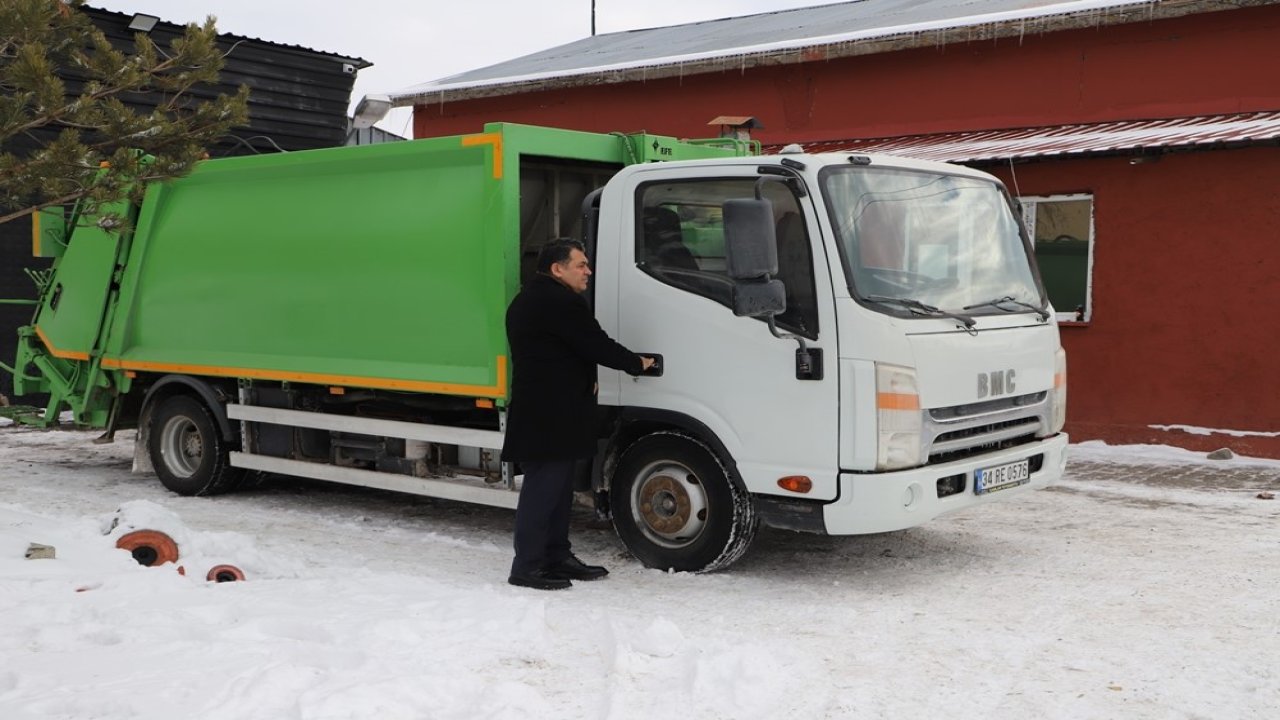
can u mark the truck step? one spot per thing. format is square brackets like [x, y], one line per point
[367, 426]
[472, 490]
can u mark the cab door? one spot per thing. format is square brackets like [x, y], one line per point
[727, 373]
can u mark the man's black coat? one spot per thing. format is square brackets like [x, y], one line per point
[556, 345]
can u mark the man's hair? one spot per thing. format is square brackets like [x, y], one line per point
[557, 252]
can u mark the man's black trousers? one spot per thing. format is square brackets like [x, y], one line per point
[542, 515]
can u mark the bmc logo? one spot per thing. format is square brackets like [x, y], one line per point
[998, 382]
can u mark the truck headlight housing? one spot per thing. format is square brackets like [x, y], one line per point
[1058, 395]
[899, 424]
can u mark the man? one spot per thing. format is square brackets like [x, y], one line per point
[556, 345]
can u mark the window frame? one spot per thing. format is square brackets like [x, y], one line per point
[1028, 205]
[638, 225]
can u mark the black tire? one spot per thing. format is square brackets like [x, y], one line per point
[187, 452]
[676, 506]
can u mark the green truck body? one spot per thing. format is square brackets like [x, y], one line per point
[386, 266]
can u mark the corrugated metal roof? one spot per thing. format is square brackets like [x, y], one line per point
[805, 34]
[1069, 140]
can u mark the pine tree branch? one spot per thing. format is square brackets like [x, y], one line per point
[48, 203]
[106, 92]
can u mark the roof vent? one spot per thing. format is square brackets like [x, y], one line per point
[738, 127]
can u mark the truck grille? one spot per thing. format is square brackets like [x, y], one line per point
[988, 406]
[960, 431]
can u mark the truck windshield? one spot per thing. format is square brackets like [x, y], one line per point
[946, 241]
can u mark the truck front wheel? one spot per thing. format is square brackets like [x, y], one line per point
[186, 450]
[676, 507]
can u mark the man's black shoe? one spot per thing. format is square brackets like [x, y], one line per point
[539, 580]
[571, 568]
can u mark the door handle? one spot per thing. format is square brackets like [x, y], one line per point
[654, 370]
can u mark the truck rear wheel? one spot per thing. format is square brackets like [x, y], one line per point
[187, 452]
[676, 507]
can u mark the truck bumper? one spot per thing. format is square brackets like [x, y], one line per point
[883, 502]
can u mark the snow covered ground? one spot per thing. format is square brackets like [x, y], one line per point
[1144, 586]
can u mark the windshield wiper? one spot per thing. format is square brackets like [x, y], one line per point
[996, 303]
[920, 308]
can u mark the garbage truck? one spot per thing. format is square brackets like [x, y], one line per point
[846, 343]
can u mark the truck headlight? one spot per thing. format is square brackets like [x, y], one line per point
[898, 420]
[1058, 396]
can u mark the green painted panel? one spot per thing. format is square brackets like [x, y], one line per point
[49, 232]
[70, 314]
[354, 264]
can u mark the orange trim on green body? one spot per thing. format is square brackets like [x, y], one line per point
[494, 139]
[63, 354]
[497, 390]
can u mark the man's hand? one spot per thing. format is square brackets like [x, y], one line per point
[647, 361]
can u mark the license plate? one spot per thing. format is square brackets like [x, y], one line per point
[1002, 477]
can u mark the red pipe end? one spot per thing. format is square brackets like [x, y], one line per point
[149, 547]
[225, 573]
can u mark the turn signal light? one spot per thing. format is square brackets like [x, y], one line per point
[796, 483]
[899, 419]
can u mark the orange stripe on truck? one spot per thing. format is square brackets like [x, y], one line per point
[498, 389]
[897, 401]
[64, 354]
[494, 139]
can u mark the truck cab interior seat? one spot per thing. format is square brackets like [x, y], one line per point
[664, 241]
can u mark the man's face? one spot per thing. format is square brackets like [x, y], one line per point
[573, 272]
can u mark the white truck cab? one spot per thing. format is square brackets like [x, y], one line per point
[861, 343]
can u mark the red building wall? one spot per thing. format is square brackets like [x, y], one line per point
[1223, 62]
[1186, 256]
[1185, 284]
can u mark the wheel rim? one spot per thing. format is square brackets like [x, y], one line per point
[669, 504]
[181, 446]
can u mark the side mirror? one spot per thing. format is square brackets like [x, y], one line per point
[751, 254]
[750, 240]
[759, 299]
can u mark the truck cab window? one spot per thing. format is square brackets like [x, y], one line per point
[944, 240]
[680, 242]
